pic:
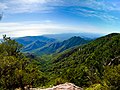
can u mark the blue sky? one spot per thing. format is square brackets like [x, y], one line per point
[37, 17]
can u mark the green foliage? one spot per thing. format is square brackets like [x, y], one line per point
[10, 47]
[97, 87]
[112, 77]
[94, 66]
[87, 65]
[59, 81]
[15, 69]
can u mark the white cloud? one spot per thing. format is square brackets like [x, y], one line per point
[21, 6]
[32, 1]
[100, 9]
[25, 6]
[29, 29]
[3, 6]
[91, 8]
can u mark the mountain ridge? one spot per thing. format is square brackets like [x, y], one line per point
[85, 65]
[34, 45]
[29, 39]
[58, 47]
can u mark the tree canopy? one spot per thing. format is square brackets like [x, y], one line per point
[15, 69]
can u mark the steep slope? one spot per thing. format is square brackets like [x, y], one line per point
[30, 39]
[61, 46]
[87, 64]
[71, 43]
[34, 45]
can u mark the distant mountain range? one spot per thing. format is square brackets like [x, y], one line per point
[86, 64]
[65, 36]
[58, 47]
[34, 45]
[30, 39]
[54, 43]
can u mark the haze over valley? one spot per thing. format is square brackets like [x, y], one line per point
[59, 45]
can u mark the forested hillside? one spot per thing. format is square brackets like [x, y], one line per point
[58, 47]
[42, 45]
[94, 65]
[16, 70]
[59, 44]
[34, 45]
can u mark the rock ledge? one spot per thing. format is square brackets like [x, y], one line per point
[66, 86]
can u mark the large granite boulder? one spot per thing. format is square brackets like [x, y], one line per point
[66, 86]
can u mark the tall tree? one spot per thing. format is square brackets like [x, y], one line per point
[15, 69]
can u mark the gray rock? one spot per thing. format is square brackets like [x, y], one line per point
[66, 86]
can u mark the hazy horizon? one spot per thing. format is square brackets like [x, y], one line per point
[38, 17]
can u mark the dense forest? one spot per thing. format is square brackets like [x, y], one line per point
[16, 70]
[92, 66]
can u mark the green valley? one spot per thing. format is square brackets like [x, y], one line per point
[92, 65]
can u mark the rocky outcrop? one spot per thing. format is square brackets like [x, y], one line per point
[66, 86]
